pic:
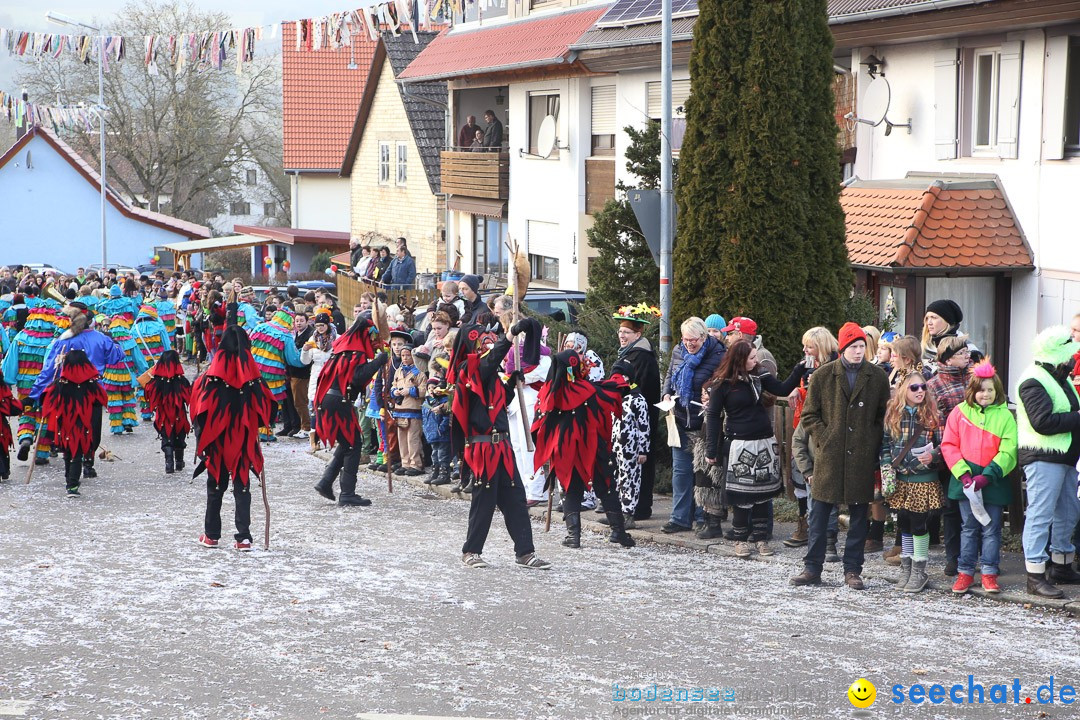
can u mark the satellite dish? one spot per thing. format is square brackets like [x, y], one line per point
[874, 104]
[545, 139]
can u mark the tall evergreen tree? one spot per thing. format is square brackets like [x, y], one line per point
[760, 229]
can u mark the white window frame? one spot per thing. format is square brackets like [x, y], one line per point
[384, 163]
[534, 122]
[401, 164]
[992, 106]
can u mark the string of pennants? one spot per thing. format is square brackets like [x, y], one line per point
[27, 114]
[214, 49]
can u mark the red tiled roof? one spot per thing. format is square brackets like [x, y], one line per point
[319, 99]
[166, 222]
[518, 44]
[966, 225]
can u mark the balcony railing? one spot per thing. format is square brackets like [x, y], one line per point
[476, 174]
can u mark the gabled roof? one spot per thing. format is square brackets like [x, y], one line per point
[527, 43]
[426, 121]
[165, 222]
[319, 97]
[918, 224]
[842, 11]
[293, 236]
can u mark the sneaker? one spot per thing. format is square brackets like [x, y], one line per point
[73, 492]
[242, 546]
[764, 549]
[473, 560]
[990, 584]
[532, 503]
[207, 542]
[671, 528]
[302, 435]
[533, 562]
[963, 583]
[742, 549]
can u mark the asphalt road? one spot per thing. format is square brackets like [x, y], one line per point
[108, 609]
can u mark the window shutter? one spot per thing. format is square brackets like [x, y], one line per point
[680, 91]
[1054, 79]
[543, 238]
[1008, 119]
[603, 110]
[945, 140]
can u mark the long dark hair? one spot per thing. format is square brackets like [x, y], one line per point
[733, 368]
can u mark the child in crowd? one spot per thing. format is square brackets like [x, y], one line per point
[408, 390]
[884, 357]
[980, 448]
[910, 452]
[436, 414]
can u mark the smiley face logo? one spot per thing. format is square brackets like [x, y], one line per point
[862, 693]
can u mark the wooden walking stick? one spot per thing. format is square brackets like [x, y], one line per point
[266, 508]
[522, 276]
[551, 496]
[41, 422]
[378, 319]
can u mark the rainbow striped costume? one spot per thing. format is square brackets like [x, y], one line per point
[273, 347]
[152, 339]
[22, 362]
[167, 314]
[120, 379]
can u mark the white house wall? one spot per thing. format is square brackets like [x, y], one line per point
[1042, 193]
[52, 214]
[321, 202]
[552, 190]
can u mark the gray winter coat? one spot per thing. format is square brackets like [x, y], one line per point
[846, 428]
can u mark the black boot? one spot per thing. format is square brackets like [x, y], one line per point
[24, 450]
[1062, 573]
[5, 465]
[831, 556]
[618, 530]
[170, 466]
[178, 456]
[573, 530]
[713, 529]
[325, 486]
[442, 476]
[1037, 585]
[72, 473]
[88, 467]
[348, 481]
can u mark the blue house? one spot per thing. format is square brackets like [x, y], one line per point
[50, 202]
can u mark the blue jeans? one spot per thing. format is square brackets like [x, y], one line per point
[858, 528]
[682, 485]
[833, 527]
[1051, 490]
[976, 539]
[440, 454]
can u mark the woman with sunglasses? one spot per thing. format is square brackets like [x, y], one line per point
[911, 450]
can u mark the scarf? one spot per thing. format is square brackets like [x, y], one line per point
[683, 377]
[324, 341]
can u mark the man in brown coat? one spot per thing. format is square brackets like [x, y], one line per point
[844, 415]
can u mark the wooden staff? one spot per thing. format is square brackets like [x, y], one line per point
[266, 509]
[378, 319]
[41, 421]
[551, 496]
[522, 276]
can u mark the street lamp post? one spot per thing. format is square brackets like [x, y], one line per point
[60, 19]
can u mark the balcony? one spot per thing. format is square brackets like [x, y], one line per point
[599, 183]
[476, 174]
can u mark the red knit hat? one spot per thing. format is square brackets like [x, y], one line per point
[849, 333]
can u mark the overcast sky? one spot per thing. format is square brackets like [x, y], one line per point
[29, 15]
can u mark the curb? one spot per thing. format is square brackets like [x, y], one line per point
[687, 541]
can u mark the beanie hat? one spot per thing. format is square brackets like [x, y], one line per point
[114, 291]
[473, 281]
[947, 310]
[715, 322]
[849, 333]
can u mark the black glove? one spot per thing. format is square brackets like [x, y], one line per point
[381, 359]
[515, 377]
[522, 326]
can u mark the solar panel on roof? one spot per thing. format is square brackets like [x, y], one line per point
[629, 12]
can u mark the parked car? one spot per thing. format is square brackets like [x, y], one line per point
[41, 268]
[120, 269]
